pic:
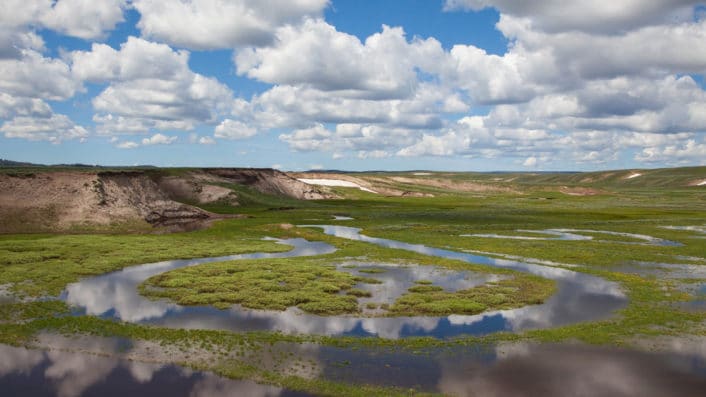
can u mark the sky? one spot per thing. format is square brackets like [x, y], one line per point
[458, 85]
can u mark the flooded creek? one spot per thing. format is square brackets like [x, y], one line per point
[394, 280]
[38, 373]
[580, 235]
[535, 369]
[530, 370]
[579, 297]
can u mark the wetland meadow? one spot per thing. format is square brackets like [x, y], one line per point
[441, 293]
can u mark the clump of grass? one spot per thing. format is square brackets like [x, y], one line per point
[423, 282]
[504, 294]
[372, 270]
[371, 305]
[326, 307]
[361, 293]
[22, 311]
[39, 265]
[270, 285]
[367, 280]
[424, 289]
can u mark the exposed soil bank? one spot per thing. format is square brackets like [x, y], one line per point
[269, 181]
[66, 200]
[383, 186]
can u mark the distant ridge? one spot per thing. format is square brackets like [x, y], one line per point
[10, 163]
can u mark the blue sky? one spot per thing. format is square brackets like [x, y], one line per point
[355, 85]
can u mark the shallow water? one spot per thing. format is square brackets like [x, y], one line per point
[115, 294]
[557, 235]
[527, 370]
[517, 369]
[575, 235]
[35, 373]
[698, 303]
[684, 274]
[666, 270]
[5, 294]
[701, 229]
[396, 279]
[580, 297]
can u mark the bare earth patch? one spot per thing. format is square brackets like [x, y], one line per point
[62, 200]
[580, 191]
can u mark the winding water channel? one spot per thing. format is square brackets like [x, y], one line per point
[580, 235]
[580, 297]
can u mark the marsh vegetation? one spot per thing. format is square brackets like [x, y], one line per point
[652, 285]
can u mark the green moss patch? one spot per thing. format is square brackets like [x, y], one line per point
[504, 294]
[39, 265]
[259, 284]
[372, 270]
[359, 293]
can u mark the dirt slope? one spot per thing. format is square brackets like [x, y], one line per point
[378, 185]
[62, 200]
[192, 188]
[270, 181]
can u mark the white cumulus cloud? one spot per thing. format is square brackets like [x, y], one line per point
[159, 139]
[86, 19]
[234, 129]
[212, 24]
[598, 16]
[55, 128]
[151, 87]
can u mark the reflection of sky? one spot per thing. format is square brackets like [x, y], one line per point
[559, 370]
[507, 369]
[574, 235]
[558, 235]
[698, 229]
[580, 297]
[397, 279]
[5, 294]
[525, 369]
[68, 374]
[116, 293]
[668, 270]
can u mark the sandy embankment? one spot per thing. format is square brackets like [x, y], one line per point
[62, 200]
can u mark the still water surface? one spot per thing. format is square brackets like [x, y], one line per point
[580, 297]
[37, 373]
[495, 370]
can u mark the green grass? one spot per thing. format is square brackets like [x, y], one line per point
[273, 284]
[367, 280]
[372, 270]
[359, 293]
[315, 286]
[38, 265]
[504, 294]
